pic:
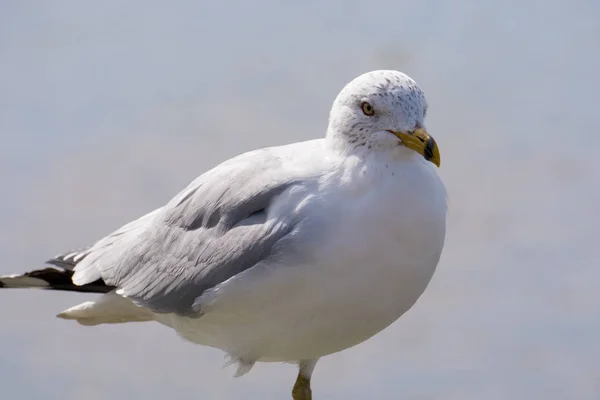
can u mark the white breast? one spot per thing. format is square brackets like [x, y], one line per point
[388, 243]
[368, 268]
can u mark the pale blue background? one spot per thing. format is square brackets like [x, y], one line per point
[109, 108]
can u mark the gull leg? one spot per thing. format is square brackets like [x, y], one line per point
[301, 390]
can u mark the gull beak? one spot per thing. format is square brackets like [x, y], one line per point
[420, 141]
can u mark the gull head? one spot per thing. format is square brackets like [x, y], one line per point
[382, 111]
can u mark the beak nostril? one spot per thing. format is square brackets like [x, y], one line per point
[426, 145]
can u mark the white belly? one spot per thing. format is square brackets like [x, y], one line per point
[368, 272]
[309, 319]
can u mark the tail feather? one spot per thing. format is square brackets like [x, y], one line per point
[110, 308]
[107, 309]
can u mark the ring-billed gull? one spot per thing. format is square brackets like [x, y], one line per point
[283, 254]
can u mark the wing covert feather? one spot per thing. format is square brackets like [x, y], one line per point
[216, 228]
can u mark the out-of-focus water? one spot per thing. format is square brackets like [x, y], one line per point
[107, 109]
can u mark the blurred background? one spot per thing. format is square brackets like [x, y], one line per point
[107, 109]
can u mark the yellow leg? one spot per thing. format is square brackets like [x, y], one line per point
[301, 390]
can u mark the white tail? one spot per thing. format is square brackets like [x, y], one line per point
[108, 309]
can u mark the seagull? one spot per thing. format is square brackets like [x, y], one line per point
[281, 254]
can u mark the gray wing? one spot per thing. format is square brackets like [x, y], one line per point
[103, 247]
[219, 226]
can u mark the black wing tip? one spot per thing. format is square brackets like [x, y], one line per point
[58, 279]
[59, 275]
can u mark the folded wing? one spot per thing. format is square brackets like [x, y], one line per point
[219, 226]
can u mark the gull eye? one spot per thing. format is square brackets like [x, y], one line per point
[367, 109]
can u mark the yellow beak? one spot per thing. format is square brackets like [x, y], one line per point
[420, 141]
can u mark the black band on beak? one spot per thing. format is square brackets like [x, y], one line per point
[428, 151]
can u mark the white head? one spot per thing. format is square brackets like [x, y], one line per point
[379, 111]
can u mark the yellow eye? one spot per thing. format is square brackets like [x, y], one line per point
[367, 108]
